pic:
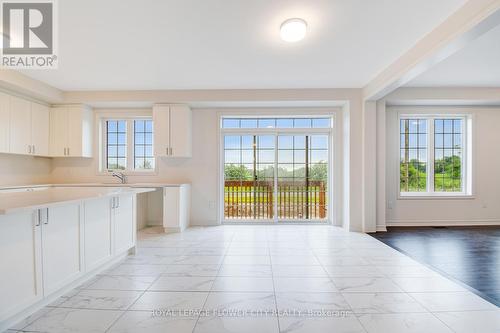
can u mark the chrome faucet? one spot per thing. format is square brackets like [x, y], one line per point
[121, 176]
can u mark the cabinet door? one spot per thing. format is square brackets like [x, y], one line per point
[40, 123]
[4, 122]
[180, 131]
[58, 131]
[161, 124]
[20, 263]
[171, 214]
[61, 243]
[75, 131]
[124, 223]
[20, 126]
[97, 247]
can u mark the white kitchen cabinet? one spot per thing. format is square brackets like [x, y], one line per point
[20, 126]
[172, 130]
[20, 262]
[28, 127]
[62, 244]
[123, 223]
[40, 125]
[71, 131]
[4, 122]
[176, 204]
[97, 234]
[44, 251]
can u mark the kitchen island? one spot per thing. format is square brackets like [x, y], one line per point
[54, 238]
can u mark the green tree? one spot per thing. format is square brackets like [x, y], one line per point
[413, 176]
[237, 172]
[318, 172]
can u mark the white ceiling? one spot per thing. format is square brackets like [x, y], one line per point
[476, 65]
[233, 44]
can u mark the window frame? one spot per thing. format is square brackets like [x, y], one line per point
[466, 165]
[130, 139]
[334, 167]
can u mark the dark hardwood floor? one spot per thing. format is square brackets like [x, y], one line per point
[470, 255]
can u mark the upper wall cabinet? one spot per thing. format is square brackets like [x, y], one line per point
[71, 129]
[172, 130]
[28, 126]
[4, 122]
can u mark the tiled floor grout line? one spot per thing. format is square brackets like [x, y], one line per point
[274, 285]
[338, 290]
[126, 310]
[429, 311]
[212, 285]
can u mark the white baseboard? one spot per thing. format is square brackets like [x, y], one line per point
[441, 223]
[171, 230]
[381, 228]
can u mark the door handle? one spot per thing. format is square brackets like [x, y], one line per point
[37, 223]
[46, 216]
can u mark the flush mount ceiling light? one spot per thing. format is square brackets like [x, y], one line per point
[293, 30]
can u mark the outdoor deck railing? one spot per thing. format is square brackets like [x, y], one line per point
[255, 200]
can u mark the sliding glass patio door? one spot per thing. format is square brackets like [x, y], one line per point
[302, 177]
[276, 176]
[249, 162]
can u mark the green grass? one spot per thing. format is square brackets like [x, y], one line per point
[246, 195]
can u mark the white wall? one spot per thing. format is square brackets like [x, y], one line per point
[200, 170]
[21, 170]
[482, 208]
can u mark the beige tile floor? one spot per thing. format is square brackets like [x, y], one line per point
[266, 279]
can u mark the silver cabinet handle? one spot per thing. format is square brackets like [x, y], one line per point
[47, 216]
[37, 223]
[64, 151]
[113, 203]
[117, 202]
[166, 151]
[33, 149]
[29, 149]
[171, 151]
[68, 151]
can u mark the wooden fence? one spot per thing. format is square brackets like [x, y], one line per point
[255, 200]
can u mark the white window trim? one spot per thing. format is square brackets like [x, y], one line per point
[334, 169]
[130, 116]
[467, 134]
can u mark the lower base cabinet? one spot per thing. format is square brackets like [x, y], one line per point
[176, 203]
[62, 252]
[20, 263]
[45, 250]
[97, 234]
[123, 222]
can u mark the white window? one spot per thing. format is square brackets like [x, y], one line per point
[433, 155]
[127, 144]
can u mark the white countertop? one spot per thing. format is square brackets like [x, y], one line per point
[132, 185]
[11, 202]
